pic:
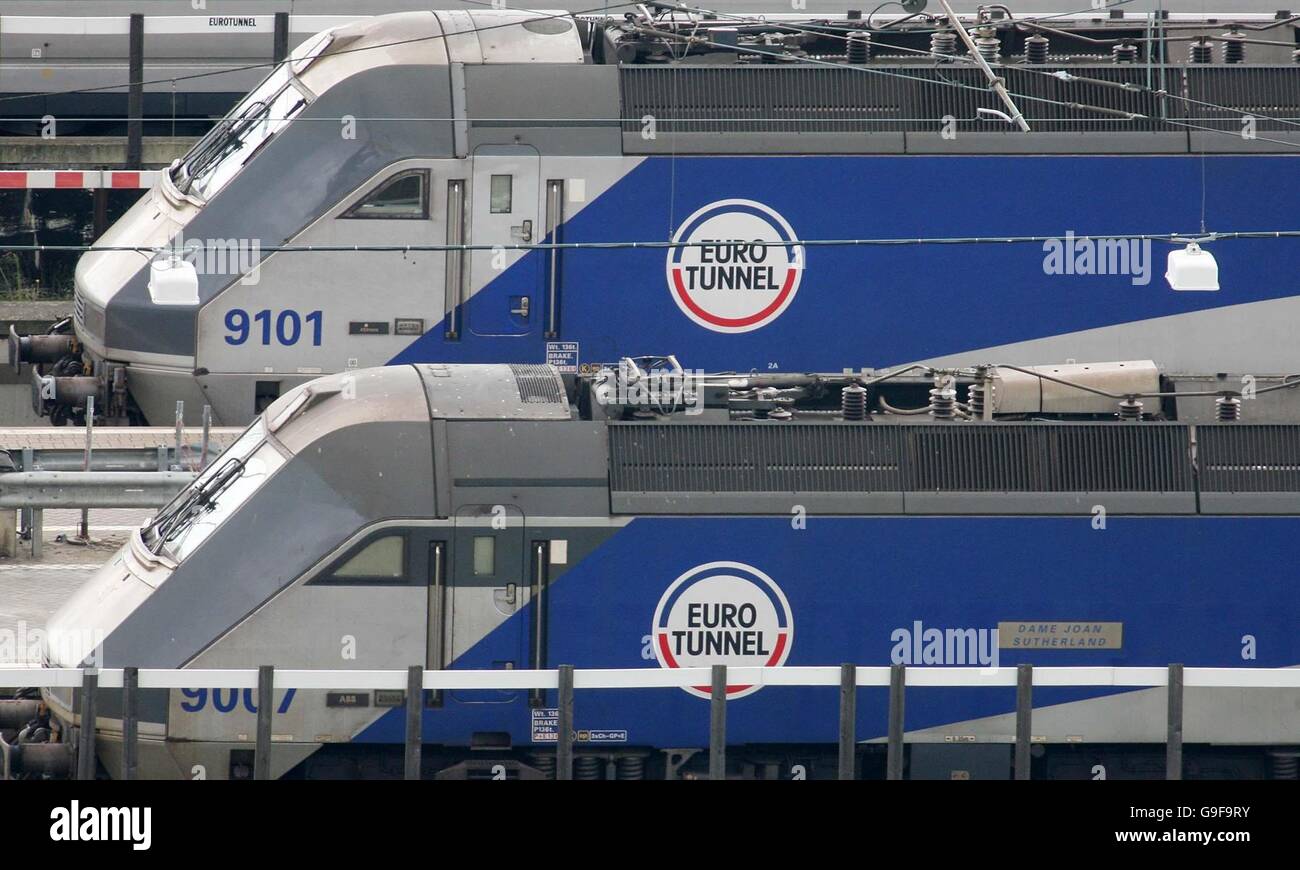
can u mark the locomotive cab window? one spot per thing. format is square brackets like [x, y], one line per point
[501, 194]
[404, 196]
[181, 527]
[485, 556]
[382, 559]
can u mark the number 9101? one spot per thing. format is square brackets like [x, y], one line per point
[287, 328]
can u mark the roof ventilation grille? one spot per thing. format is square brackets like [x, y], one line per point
[538, 384]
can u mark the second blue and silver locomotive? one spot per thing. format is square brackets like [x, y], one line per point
[503, 517]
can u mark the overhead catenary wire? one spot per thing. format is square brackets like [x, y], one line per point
[997, 85]
[274, 64]
[1067, 76]
[1133, 116]
[825, 24]
[821, 30]
[1167, 37]
[542, 16]
[587, 120]
[1074, 105]
[1171, 238]
[1118, 114]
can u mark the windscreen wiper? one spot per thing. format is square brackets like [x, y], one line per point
[201, 154]
[229, 131]
[173, 520]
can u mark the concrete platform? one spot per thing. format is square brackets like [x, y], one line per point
[31, 590]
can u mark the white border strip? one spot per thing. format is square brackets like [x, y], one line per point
[661, 678]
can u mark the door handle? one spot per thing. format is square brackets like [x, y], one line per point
[523, 232]
[521, 307]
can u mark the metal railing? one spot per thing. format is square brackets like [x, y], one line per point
[91, 489]
[61, 476]
[566, 680]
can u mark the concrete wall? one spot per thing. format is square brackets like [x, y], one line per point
[70, 152]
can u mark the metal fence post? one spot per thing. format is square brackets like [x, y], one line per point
[130, 723]
[894, 752]
[207, 432]
[84, 531]
[414, 719]
[99, 220]
[38, 532]
[86, 734]
[29, 460]
[265, 706]
[718, 724]
[564, 739]
[1174, 734]
[280, 44]
[135, 94]
[848, 720]
[180, 434]
[1024, 718]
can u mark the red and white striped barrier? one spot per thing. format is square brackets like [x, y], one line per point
[85, 179]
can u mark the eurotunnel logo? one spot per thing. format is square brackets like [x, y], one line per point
[723, 613]
[737, 270]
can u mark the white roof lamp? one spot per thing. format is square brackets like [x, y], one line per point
[1192, 268]
[173, 280]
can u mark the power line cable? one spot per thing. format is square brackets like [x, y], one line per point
[1171, 238]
